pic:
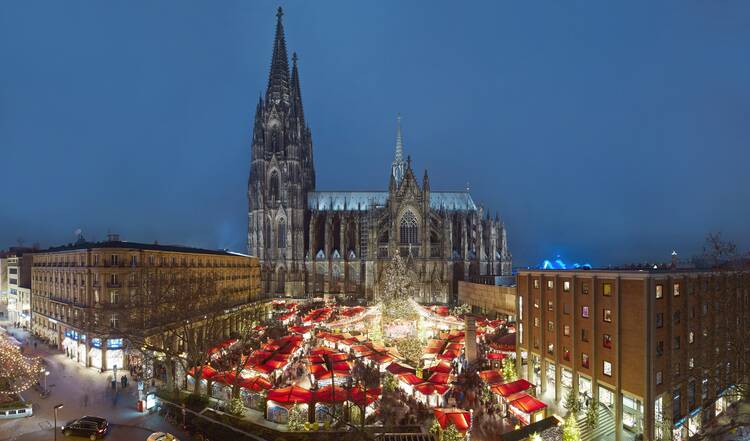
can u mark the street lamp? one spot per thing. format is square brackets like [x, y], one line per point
[59, 406]
[46, 374]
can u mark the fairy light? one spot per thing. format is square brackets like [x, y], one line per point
[17, 373]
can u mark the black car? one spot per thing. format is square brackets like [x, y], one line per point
[90, 426]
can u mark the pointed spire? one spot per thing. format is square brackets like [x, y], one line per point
[278, 77]
[425, 181]
[397, 168]
[296, 91]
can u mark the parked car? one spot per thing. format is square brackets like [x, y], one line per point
[161, 436]
[90, 426]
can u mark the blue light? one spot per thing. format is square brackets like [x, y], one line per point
[559, 264]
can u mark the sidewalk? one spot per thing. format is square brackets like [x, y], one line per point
[82, 391]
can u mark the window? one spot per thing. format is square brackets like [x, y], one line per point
[550, 326]
[550, 349]
[691, 337]
[520, 306]
[536, 302]
[550, 284]
[281, 240]
[607, 315]
[607, 368]
[676, 318]
[114, 321]
[536, 343]
[658, 377]
[676, 289]
[566, 308]
[566, 286]
[115, 259]
[584, 288]
[566, 354]
[273, 186]
[607, 289]
[676, 404]
[536, 283]
[585, 360]
[536, 322]
[659, 348]
[114, 280]
[676, 344]
[607, 341]
[408, 229]
[584, 335]
[704, 309]
[676, 368]
[566, 329]
[113, 297]
[549, 305]
[151, 260]
[691, 362]
[585, 311]
[659, 291]
[659, 319]
[133, 260]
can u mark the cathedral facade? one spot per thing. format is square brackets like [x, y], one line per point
[314, 242]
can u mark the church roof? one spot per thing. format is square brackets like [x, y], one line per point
[364, 200]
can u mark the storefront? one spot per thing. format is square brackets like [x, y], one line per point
[694, 421]
[632, 414]
[606, 396]
[551, 374]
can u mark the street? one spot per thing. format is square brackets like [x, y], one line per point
[81, 391]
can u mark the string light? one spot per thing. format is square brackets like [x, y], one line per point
[17, 373]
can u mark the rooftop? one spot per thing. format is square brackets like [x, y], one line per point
[137, 246]
[364, 200]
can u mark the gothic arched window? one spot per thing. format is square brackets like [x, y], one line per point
[273, 185]
[267, 235]
[282, 234]
[408, 229]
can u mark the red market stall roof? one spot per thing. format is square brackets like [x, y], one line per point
[495, 356]
[364, 398]
[331, 394]
[439, 378]
[223, 345]
[505, 343]
[430, 388]
[410, 379]
[453, 416]
[290, 395]
[286, 316]
[206, 373]
[331, 374]
[400, 369]
[317, 315]
[440, 310]
[255, 384]
[443, 366]
[491, 377]
[527, 404]
[449, 355]
[351, 312]
[508, 389]
[300, 329]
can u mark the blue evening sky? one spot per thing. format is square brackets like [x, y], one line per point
[607, 132]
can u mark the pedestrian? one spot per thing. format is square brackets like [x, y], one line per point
[35, 345]
[122, 381]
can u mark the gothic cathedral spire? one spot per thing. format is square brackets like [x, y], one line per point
[397, 168]
[278, 77]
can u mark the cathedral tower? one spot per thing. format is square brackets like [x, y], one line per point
[281, 175]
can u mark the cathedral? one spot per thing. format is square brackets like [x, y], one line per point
[312, 242]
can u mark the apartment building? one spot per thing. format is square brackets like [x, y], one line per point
[17, 278]
[87, 298]
[661, 349]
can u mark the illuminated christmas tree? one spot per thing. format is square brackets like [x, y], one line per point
[17, 373]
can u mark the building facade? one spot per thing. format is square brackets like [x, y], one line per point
[492, 297]
[663, 351]
[88, 298]
[315, 242]
[17, 279]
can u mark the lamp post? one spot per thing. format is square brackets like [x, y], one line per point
[46, 374]
[59, 406]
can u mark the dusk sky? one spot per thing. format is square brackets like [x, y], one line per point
[607, 132]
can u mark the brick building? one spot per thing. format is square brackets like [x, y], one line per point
[662, 350]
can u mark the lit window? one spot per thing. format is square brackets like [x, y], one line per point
[607, 289]
[536, 283]
[676, 290]
[659, 291]
[585, 360]
[566, 286]
[607, 368]
[566, 329]
[520, 306]
[536, 322]
[691, 362]
[658, 377]
[549, 305]
[585, 288]
[585, 311]
[691, 337]
[113, 297]
[114, 321]
[550, 284]
[408, 229]
[566, 354]
[550, 326]
[607, 341]
[550, 349]
[607, 316]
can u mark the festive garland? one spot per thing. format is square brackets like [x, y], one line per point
[17, 373]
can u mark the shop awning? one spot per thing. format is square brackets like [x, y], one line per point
[410, 379]
[443, 366]
[459, 418]
[495, 356]
[365, 398]
[207, 372]
[400, 369]
[491, 377]
[439, 378]
[255, 384]
[331, 394]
